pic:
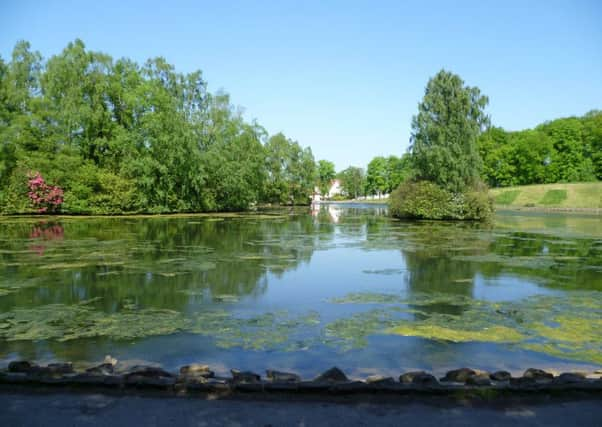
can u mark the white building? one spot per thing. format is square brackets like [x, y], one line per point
[334, 190]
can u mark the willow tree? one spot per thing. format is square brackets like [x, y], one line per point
[444, 133]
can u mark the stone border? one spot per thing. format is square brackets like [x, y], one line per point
[197, 378]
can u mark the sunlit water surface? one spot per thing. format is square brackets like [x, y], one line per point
[304, 289]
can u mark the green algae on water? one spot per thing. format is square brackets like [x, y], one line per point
[60, 322]
[495, 334]
[352, 332]
[367, 298]
[568, 327]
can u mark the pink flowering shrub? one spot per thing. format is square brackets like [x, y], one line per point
[44, 197]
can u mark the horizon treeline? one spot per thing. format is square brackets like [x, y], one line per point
[120, 137]
[567, 149]
[117, 136]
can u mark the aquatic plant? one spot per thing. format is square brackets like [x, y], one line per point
[563, 326]
[61, 322]
[496, 334]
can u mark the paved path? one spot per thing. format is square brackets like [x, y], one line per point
[66, 409]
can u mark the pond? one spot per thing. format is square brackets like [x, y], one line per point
[304, 289]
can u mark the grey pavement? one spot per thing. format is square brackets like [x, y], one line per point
[77, 409]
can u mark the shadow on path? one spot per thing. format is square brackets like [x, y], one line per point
[62, 409]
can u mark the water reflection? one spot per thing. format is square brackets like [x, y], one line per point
[436, 276]
[45, 231]
[167, 263]
[291, 261]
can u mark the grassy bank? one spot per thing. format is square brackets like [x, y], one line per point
[551, 196]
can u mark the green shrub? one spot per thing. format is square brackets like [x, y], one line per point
[88, 188]
[426, 200]
[553, 197]
[419, 200]
[14, 198]
[478, 204]
[507, 197]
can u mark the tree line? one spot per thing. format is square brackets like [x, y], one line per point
[117, 136]
[454, 151]
[562, 150]
[382, 176]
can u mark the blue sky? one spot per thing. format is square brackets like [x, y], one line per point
[344, 77]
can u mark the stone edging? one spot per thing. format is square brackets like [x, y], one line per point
[197, 378]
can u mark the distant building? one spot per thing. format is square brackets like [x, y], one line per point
[334, 190]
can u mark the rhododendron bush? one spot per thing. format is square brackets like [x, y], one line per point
[43, 197]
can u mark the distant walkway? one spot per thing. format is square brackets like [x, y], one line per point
[64, 409]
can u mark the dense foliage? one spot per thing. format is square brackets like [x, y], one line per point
[384, 174]
[444, 133]
[291, 171]
[353, 182]
[117, 136]
[562, 150]
[444, 155]
[326, 173]
[112, 136]
[427, 200]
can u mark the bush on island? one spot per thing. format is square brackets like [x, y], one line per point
[426, 200]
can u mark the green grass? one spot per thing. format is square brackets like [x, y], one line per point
[507, 197]
[553, 197]
[579, 195]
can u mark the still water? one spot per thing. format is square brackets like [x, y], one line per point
[304, 289]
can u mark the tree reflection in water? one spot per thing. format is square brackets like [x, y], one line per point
[191, 265]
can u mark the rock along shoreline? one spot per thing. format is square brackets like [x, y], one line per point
[199, 378]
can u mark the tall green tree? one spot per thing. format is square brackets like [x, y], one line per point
[326, 173]
[303, 173]
[572, 160]
[499, 168]
[377, 176]
[291, 171]
[353, 181]
[532, 155]
[592, 137]
[278, 187]
[399, 169]
[444, 136]
[7, 147]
